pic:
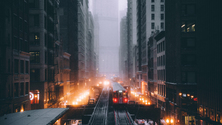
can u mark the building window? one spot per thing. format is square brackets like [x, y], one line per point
[161, 0]
[152, 25]
[152, 16]
[34, 58]
[188, 42]
[22, 89]
[162, 25]
[36, 20]
[16, 89]
[15, 43]
[188, 10]
[34, 39]
[35, 75]
[26, 88]
[188, 77]
[34, 3]
[162, 16]
[152, 1]
[162, 7]
[188, 60]
[9, 65]
[188, 26]
[22, 66]
[26, 67]
[152, 8]
[16, 66]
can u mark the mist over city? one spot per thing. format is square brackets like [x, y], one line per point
[110, 62]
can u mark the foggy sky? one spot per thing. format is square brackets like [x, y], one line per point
[108, 19]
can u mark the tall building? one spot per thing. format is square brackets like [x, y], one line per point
[15, 57]
[42, 42]
[150, 17]
[208, 47]
[91, 48]
[192, 75]
[74, 36]
[123, 50]
[108, 35]
[96, 42]
[132, 36]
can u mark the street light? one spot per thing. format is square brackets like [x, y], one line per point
[169, 121]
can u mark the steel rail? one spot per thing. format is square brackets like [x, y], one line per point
[99, 115]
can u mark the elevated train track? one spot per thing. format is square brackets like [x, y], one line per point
[99, 116]
[122, 117]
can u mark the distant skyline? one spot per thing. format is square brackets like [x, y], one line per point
[122, 5]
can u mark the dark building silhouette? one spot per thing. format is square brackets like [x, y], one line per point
[14, 56]
[193, 61]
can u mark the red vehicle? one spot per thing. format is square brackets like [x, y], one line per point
[119, 94]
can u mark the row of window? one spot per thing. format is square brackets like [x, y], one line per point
[161, 75]
[154, 1]
[20, 44]
[153, 25]
[161, 16]
[188, 77]
[188, 26]
[161, 90]
[22, 67]
[188, 42]
[20, 89]
[35, 75]
[161, 60]
[188, 59]
[153, 8]
[161, 47]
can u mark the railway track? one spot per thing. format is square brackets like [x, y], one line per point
[122, 117]
[99, 116]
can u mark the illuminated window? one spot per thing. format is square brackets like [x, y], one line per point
[35, 57]
[188, 26]
[34, 39]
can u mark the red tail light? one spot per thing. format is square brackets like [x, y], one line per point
[115, 100]
[125, 99]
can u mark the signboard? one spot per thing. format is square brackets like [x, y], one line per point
[34, 96]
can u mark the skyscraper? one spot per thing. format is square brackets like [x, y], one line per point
[107, 13]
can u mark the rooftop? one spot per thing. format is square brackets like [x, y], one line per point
[33, 117]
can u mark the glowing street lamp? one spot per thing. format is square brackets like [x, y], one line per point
[169, 121]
